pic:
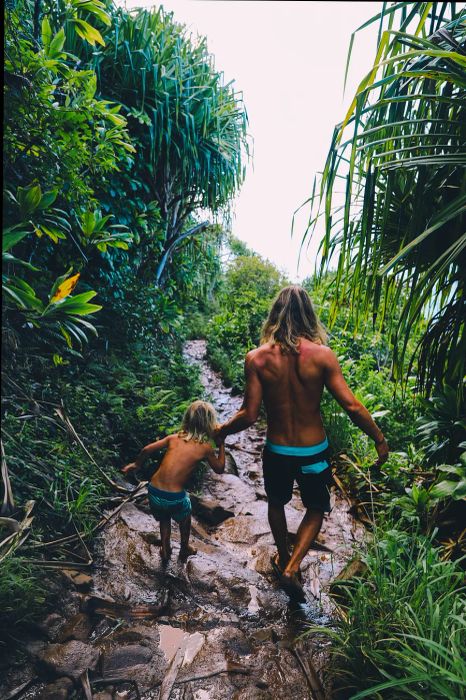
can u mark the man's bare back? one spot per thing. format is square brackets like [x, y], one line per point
[292, 387]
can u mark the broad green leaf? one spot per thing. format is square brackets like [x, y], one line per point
[28, 199]
[88, 32]
[57, 44]
[46, 34]
[11, 238]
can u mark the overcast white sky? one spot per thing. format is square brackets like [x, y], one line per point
[288, 59]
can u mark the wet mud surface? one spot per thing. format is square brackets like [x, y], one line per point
[215, 628]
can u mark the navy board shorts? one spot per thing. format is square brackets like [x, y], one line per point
[308, 465]
[169, 504]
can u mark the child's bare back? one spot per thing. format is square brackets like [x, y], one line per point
[180, 460]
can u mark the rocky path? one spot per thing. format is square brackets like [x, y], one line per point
[218, 628]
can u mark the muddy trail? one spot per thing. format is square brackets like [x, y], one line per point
[216, 628]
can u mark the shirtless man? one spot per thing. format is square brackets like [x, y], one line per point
[288, 372]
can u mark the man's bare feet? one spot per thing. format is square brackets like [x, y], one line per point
[278, 565]
[291, 585]
[186, 552]
[165, 553]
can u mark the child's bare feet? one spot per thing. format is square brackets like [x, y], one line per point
[186, 552]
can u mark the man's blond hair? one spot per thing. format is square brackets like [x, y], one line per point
[199, 422]
[292, 317]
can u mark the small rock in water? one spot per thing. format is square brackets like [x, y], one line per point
[50, 625]
[69, 659]
[78, 627]
[209, 510]
[103, 695]
[59, 690]
[117, 661]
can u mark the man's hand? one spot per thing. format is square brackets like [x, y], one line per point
[129, 467]
[218, 436]
[382, 451]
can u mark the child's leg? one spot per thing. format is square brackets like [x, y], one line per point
[165, 534]
[185, 530]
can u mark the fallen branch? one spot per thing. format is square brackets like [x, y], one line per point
[17, 538]
[102, 522]
[16, 692]
[60, 412]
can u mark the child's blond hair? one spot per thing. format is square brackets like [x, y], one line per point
[199, 422]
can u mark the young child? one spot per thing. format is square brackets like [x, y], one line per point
[167, 497]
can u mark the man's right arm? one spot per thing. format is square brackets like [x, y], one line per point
[249, 411]
[358, 413]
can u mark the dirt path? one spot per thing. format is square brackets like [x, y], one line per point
[218, 628]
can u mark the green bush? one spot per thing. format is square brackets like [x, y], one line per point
[403, 628]
[248, 288]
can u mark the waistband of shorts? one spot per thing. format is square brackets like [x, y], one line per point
[167, 495]
[297, 451]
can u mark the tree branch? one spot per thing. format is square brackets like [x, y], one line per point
[166, 256]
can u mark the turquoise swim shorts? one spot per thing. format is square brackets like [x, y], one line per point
[169, 504]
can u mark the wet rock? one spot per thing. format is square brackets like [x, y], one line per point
[253, 693]
[50, 625]
[265, 634]
[81, 580]
[262, 555]
[59, 690]
[103, 695]
[202, 571]
[69, 659]
[210, 510]
[230, 464]
[116, 662]
[136, 520]
[78, 627]
[244, 529]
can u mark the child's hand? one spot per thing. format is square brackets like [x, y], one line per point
[129, 467]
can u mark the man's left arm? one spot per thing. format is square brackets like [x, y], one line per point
[249, 411]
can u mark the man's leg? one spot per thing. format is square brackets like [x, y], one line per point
[185, 548]
[307, 532]
[277, 521]
[165, 535]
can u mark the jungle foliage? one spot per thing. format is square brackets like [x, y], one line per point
[401, 143]
[101, 195]
[398, 240]
[389, 639]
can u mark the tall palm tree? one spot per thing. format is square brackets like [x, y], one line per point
[398, 231]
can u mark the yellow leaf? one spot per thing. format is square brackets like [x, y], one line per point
[65, 288]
